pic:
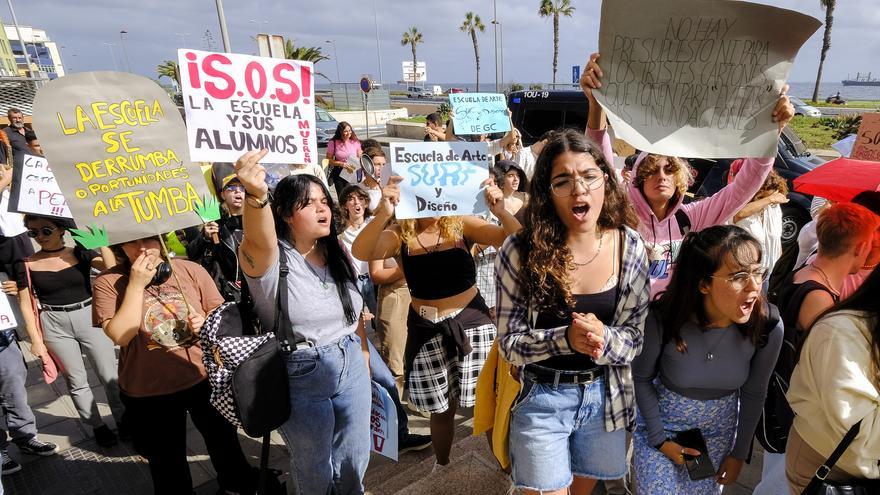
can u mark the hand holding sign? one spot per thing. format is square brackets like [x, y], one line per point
[784, 110]
[390, 198]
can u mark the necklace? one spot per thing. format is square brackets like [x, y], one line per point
[436, 246]
[62, 248]
[710, 355]
[599, 250]
[828, 284]
[321, 279]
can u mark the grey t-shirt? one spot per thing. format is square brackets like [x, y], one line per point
[736, 366]
[315, 309]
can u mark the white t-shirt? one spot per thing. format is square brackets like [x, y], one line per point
[11, 224]
[766, 227]
[347, 237]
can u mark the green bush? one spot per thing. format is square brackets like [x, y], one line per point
[444, 109]
[536, 86]
[843, 125]
[516, 87]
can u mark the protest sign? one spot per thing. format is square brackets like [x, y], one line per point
[237, 103]
[34, 188]
[440, 179]
[383, 423]
[117, 146]
[479, 113]
[10, 313]
[697, 78]
[867, 145]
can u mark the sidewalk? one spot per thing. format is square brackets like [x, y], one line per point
[83, 467]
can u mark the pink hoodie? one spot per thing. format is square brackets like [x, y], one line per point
[662, 237]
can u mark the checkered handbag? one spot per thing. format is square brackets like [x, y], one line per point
[246, 367]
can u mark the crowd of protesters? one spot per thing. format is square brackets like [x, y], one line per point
[595, 318]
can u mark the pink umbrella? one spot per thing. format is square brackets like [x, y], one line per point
[840, 179]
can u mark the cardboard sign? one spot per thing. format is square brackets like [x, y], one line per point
[383, 423]
[696, 78]
[118, 151]
[867, 145]
[35, 190]
[237, 103]
[10, 312]
[440, 179]
[479, 113]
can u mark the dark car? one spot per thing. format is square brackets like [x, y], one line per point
[535, 112]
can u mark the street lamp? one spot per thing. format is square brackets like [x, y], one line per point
[501, 32]
[336, 56]
[124, 50]
[182, 39]
[112, 55]
[224, 32]
[495, 35]
[378, 48]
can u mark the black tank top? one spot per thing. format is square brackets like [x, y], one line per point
[438, 274]
[601, 304]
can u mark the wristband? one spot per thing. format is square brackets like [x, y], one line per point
[256, 202]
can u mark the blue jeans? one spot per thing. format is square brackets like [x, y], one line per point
[328, 432]
[382, 375]
[558, 433]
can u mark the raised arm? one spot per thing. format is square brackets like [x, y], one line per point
[479, 231]
[376, 242]
[596, 128]
[259, 248]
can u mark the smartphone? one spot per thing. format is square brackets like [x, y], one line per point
[428, 312]
[698, 467]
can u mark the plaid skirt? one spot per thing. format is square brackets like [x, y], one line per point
[438, 375]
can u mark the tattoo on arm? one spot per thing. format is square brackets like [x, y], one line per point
[248, 258]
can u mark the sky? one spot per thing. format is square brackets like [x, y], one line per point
[156, 28]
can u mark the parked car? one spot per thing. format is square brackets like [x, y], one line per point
[455, 90]
[801, 108]
[417, 92]
[326, 126]
[535, 112]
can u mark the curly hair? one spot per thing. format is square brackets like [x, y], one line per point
[451, 228]
[347, 192]
[773, 183]
[650, 165]
[543, 247]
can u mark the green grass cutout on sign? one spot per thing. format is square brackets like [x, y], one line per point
[92, 237]
[208, 210]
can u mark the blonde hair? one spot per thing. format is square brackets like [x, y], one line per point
[451, 228]
[651, 165]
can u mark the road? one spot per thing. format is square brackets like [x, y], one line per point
[830, 111]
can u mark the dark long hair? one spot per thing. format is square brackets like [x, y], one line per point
[702, 253]
[865, 298]
[337, 136]
[543, 249]
[292, 193]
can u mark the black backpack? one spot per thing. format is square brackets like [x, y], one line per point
[777, 416]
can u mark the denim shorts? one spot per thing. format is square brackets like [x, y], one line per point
[559, 433]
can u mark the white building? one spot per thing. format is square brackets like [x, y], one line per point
[42, 52]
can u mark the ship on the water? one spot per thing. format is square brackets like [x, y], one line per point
[861, 80]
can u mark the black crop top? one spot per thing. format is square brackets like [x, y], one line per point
[601, 304]
[438, 274]
[66, 286]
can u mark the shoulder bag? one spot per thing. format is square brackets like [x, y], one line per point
[820, 485]
[49, 363]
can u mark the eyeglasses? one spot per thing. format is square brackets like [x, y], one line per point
[235, 188]
[564, 186]
[740, 280]
[46, 231]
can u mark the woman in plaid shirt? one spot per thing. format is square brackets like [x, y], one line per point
[572, 295]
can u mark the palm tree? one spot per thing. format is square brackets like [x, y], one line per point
[170, 70]
[826, 41]
[412, 38]
[554, 8]
[471, 25]
[305, 53]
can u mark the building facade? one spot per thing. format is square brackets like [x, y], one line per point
[42, 52]
[8, 66]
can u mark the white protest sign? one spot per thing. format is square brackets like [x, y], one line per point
[36, 190]
[237, 103]
[479, 113]
[383, 423]
[440, 179]
[697, 78]
[7, 316]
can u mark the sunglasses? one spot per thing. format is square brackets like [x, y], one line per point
[46, 231]
[237, 188]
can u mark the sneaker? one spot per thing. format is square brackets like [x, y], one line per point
[36, 447]
[9, 464]
[411, 443]
[105, 437]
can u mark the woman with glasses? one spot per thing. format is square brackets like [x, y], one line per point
[707, 358]
[572, 298]
[60, 279]
[449, 328]
[659, 185]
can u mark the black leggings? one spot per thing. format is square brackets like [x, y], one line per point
[158, 426]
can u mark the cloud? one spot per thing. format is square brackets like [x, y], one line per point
[83, 27]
